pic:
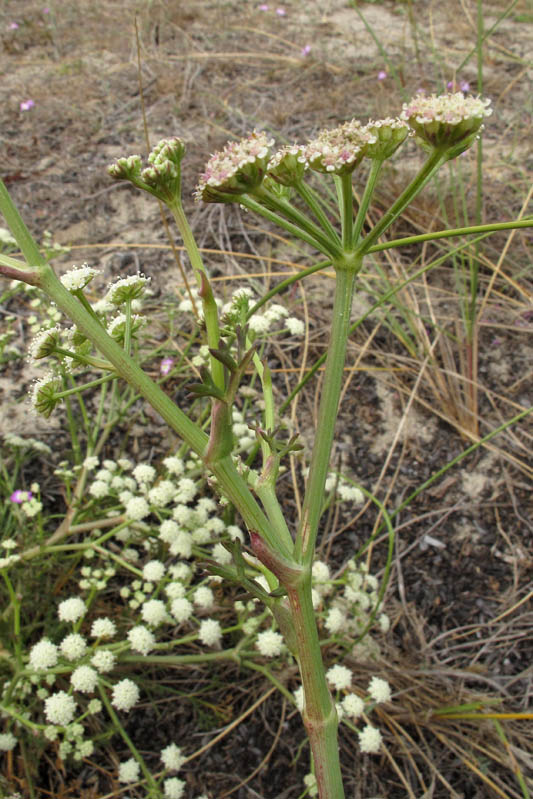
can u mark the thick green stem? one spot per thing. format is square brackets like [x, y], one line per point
[327, 413]
[319, 714]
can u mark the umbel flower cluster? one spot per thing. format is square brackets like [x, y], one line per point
[448, 121]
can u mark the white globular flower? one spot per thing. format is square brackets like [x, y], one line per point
[172, 757]
[144, 473]
[335, 621]
[154, 571]
[99, 489]
[210, 632]
[174, 465]
[103, 628]
[182, 545]
[181, 609]
[154, 612]
[173, 788]
[339, 150]
[295, 326]
[379, 690]
[141, 639]
[269, 643]
[78, 277]
[163, 493]
[128, 771]
[71, 609]
[350, 493]
[203, 597]
[84, 679]
[369, 739]
[137, 509]
[320, 571]
[73, 646]
[60, 709]
[339, 677]
[43, 655]
[221, 555]
[103, 660]
[259, 323]
[353, 705]
[7, 741]
[125, 695]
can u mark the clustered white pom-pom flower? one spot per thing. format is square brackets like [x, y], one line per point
[84, 679]
[369, 739]
[269, 643]
[71, 609]
[181, 609]
[128, 771]
[379, 690]
[154, 571]
[203, 597]
[103, 660]
[339, 677]
[73, 646]
[43, 655]
[60, 708]
[141, 639]
[172, 757]
[173, 788]
[137, 509]
[210, 632]
[353, 705]
[125, 695]
[154, 612]
[103, 628]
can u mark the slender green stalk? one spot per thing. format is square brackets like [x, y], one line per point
[327, 414]
[371, 181]
[312, 201]
[445, 234]
[208, 301]
[320, 243]
[434, 161]
[344, 183]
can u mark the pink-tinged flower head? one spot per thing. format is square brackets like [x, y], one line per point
[305, 50]
[447, 121]
[27, 105]
[338, 151]
[263, 7]
[382, 74]
[166, 365]
[237, 169]
[19, 496]
[13, 26]
[280, 12]
[287, 165]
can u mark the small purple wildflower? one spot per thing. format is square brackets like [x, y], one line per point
[263, 7]
[382, 74]
[46, 10]
[464, 86]
[280, 12]
[13, 26]
[306, 50]
[20, 496]
[26, 105]
[166, 365]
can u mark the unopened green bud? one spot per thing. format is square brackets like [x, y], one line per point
[288, 165]
[389, 134]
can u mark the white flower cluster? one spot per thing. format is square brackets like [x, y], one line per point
[78, 277]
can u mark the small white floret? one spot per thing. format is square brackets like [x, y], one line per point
[125, 695]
